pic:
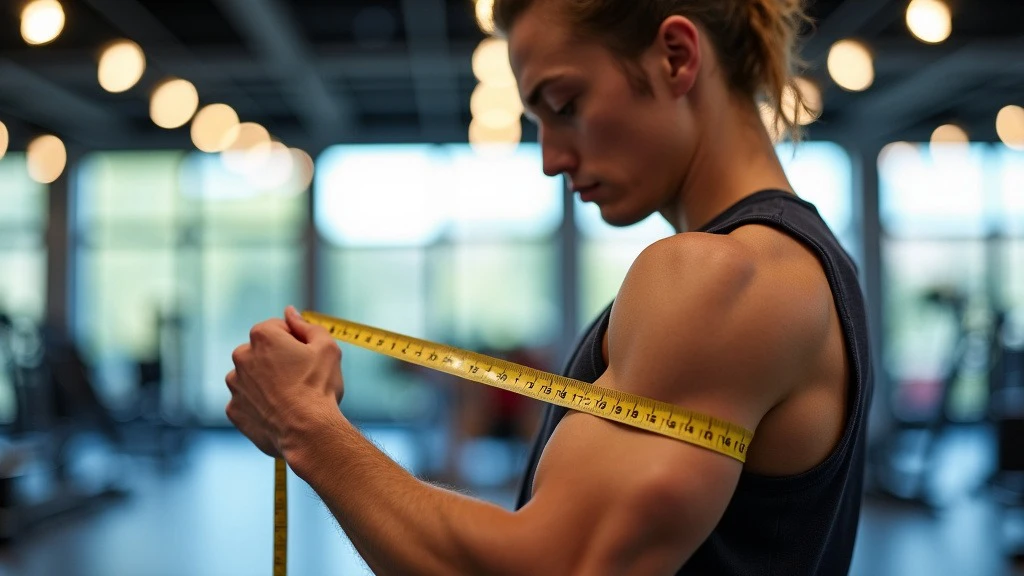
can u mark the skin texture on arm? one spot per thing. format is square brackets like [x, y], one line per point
[693, 325]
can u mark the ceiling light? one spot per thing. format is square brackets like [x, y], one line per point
[810, 99]
[42, 21]
[496, 106]
[490, 63]
[1010, 127]
[173, 103]
[5, 139]
[247, 149]
[850, 65]
[212, 126]
[485, 15]
[486, 138]
[46, 158]
[949, 134]
[897, 152]
[121, 66]
[772, 122]
[929, 20]
[302, 168]
[275, 171]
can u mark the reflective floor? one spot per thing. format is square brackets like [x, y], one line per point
[212, 517]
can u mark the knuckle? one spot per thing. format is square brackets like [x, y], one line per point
[332, 350]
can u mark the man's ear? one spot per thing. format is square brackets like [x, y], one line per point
[678, 42]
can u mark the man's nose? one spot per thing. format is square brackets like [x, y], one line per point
[558, 155]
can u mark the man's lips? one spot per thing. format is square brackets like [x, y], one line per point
[588, 192]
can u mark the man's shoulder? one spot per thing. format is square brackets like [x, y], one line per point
[735, 279]
[719, 306]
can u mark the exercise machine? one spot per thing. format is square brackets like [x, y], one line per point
[59, 453]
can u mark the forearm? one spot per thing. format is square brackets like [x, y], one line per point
[399, 524]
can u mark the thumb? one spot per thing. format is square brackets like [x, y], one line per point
[298, 325]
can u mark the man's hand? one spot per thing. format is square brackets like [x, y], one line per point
[286, 378]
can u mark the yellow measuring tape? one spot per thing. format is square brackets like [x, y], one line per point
[280, 518]
[644, 413]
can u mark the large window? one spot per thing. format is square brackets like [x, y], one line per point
[178, 257]
[820, 172]
[953, 221]
[23, 208]
[440, 242]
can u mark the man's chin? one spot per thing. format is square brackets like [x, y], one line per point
[621, 218]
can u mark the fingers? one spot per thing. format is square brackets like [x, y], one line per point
[240, 354]
[305, 331]
[268, 330]
[232, 381]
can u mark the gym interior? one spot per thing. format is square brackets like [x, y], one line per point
[381, 171]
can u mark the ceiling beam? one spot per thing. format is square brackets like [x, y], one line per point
[36, 100]
[435, 87]
[272, 31]
[165, 50]
[995, 57]
[933, 88]
[848, 19]
[213, 66]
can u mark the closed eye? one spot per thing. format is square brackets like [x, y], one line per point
[568, 110]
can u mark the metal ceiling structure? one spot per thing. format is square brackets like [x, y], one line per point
[317, 72]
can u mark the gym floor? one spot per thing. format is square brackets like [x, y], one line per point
[211, 516]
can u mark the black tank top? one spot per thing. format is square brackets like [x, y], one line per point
[794, 525]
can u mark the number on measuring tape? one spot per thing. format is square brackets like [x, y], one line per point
[644, 413]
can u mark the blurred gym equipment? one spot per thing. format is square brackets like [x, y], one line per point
[60, 452]
[905, 462]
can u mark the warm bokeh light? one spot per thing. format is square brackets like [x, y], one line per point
[1010, 127]
[490, 63]
[772, 122]
[5, 139]
[496, 106]
[811, 105]
[42, 21]
[303, 168]
[949, 143]
[485, 16]
[173, 103]
[276, 169]
[851, 66]
[486, 138]
[949, 134]
[212, 126]
[121, 66]
[929, 20]
[46, 158]
[247, 149]
[896, 150]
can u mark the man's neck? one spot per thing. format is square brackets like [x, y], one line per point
[734, 158]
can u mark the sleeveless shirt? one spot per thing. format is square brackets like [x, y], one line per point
[789, 525]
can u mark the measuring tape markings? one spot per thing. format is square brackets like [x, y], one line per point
[280, 518]
[644, 413]
[623, 407]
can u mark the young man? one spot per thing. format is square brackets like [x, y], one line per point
[751, 314]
